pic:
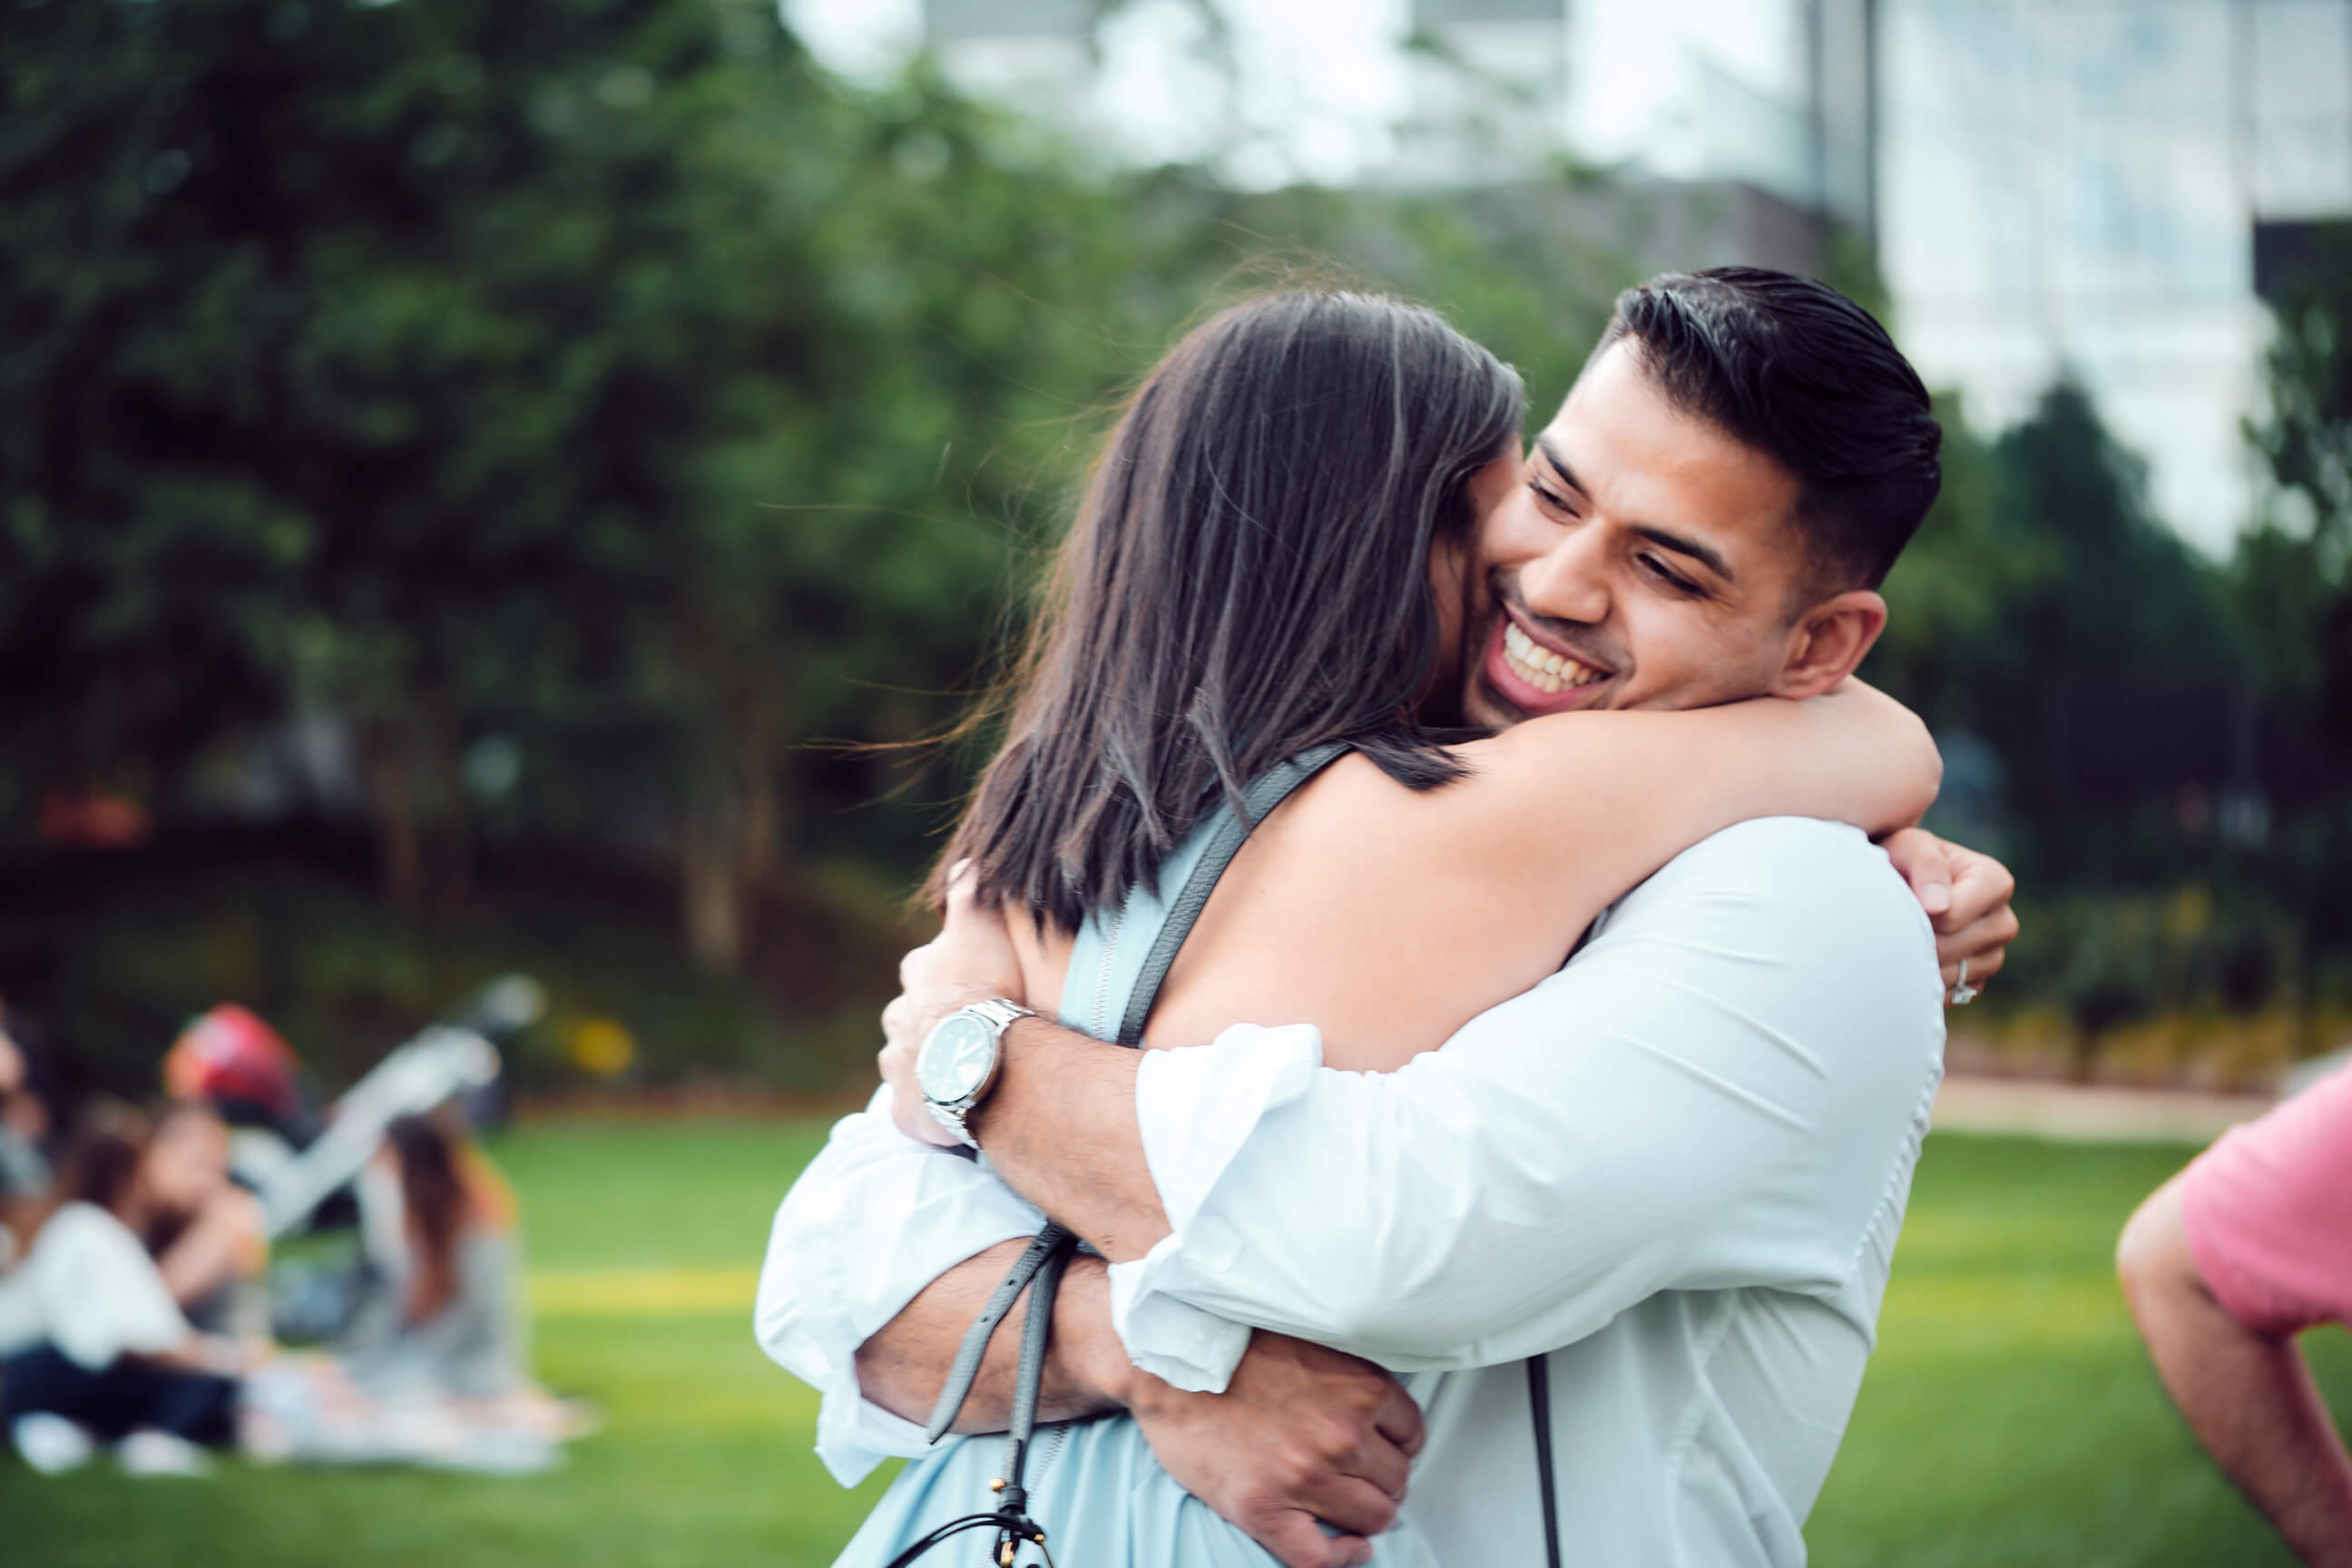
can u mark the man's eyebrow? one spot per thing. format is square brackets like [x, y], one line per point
[1696, 550]
[1706, 555]
[1558, 461]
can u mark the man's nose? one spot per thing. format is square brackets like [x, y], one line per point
[1569, 581]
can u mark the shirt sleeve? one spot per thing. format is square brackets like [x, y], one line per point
[875, 1218]
[2269, 1214]
[1722, 1090]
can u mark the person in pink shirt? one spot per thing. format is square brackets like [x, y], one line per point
[2223, 1265]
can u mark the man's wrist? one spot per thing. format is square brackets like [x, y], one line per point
[1059, 1125]
[1089, 1346]
[1014, 1040]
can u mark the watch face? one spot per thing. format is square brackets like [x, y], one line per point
[956, 1058]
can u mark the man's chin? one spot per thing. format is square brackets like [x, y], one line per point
[1484, 708]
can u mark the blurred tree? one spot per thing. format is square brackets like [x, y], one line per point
[1971, 563]
[2066, 607]
[2292, 579]
[549, 368]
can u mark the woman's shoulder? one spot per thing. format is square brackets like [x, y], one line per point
[80, 1224]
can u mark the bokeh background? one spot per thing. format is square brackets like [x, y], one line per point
[512, 484]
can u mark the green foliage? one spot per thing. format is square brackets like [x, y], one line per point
[2110, 959]
[1971, 562]
[2292, 581]
[122, 951]
[599, 371]
[2047, 611]
[599, 377]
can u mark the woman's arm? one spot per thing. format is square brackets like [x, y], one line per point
[227, 1241]
[1590, 804]
[1390, 916]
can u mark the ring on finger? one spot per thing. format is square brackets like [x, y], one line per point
[1962, 993]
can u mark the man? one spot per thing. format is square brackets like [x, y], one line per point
[2223, 1265]
[1678, 1165]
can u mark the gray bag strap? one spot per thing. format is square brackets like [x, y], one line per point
[974, 1349]
[1030, 1380]
[1258, 801]
[1264, 793]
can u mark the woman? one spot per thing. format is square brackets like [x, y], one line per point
[207, 1233]
[102, 1352]
[1272, 557]
[449, 1326]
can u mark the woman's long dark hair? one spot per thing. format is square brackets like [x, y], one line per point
[100, 1165]
[1249, 574]
[433, 1192]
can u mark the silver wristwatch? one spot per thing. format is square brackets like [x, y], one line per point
[957, 1063]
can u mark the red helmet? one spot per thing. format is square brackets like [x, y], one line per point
[229, 1055]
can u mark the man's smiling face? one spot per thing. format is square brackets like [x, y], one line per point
[1645, 559]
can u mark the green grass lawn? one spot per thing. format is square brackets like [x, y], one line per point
[2009, 1417]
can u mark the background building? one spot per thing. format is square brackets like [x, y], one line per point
[2075, 184]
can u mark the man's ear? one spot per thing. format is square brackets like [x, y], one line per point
[1828, 642]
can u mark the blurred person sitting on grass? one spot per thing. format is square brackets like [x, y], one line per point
[2223, 1265]
[450, 1330]
[447, 1324]
[24, 1173]
[101, 1350]
[208, 1235]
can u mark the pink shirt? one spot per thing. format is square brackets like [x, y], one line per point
[2269, 1213]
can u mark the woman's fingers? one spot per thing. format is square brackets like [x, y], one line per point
[1923, 860]
[1984, 944]
[911, 965]
[1981, 887]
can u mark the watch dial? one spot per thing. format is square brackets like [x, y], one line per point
[956, 1058]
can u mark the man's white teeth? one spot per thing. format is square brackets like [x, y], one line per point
[1538, 666]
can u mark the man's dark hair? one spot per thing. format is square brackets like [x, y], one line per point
[1794, 368]
[1248, 576]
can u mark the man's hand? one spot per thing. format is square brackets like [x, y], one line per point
[971, 960]
[1301, 1434]
[1967, 898]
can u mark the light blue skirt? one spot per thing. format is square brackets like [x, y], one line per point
[1096, 1489]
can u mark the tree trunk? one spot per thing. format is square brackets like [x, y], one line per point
[415, 773]
[392, 813]
[733, 830]
[710, 883]
[448, 838]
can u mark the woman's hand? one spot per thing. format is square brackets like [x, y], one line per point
[907, 1022]
[1967, 897]
[971, 960]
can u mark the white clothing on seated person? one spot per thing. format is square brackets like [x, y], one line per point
[89, 1288]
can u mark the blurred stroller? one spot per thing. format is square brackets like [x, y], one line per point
[311, 1171]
